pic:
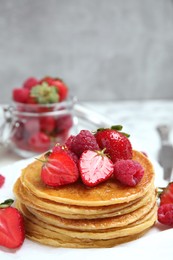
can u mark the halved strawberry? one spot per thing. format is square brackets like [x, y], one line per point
[12, 231]
[116, 143]
[95, 167]
[166, 194]
[59, 169]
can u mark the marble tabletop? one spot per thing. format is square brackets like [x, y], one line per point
[139, 119]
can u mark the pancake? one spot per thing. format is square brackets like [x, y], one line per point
[106, 233]
[77, 216]
[107, 193]
[90, 224]
[74, 212]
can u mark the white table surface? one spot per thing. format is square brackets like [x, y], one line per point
[139, 119]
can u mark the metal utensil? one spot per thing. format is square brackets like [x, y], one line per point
[165, 155]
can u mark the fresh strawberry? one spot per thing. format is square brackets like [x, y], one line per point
[165, 214]
[39, 142]
[59, 84]
[30, 83]
[128, 172]
[64, 123]
[58, 148]
[2, 180]
[116, 143]
[20, 95]
[59, 169]
[83, 141]
[12, 231]
[95, 167]
[166, 194]
[47, 124]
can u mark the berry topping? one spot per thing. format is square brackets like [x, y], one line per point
[58, 148]
[95, 167]
[85, 140]
[128, 172]
[116, 143]
[165, 214]
[12, 232]
[2, 180]
[30, 83]
[166, 194]
[69, 142]
[59, 169]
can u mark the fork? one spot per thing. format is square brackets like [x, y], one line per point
[165, 154]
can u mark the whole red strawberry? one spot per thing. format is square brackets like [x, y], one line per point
[20, 95]
[166, 194]
[59, 84]
[59, 169]
[39, 142]
[30, 83]
[2, 180]
[128, 172]
[165, 214]
[12, 231]
[116, 143]
[83, 141]
[95, 167]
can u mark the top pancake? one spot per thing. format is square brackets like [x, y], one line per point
[107, 193]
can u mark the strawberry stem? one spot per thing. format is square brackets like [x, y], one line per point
[6, 203]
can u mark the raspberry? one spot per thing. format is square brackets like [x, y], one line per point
[69, 141]
[128, 172]
[2, 180]
[165, 214]
[85, 140]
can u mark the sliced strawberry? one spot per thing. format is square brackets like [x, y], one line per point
[20, 95]
[2, 180]
[12, 231]
[95, 167]
[58, 148]
[166, 195]
[116, 143]
[59, 169]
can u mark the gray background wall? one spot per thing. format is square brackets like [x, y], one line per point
[103, 49]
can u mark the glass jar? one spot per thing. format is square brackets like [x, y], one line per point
[32, 129]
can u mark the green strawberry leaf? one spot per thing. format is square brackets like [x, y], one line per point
[7, 203]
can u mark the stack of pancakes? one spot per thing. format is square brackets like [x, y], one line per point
[81, 217]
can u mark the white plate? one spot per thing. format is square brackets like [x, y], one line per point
[156, 243]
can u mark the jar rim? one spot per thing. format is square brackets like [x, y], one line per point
[59, 108]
